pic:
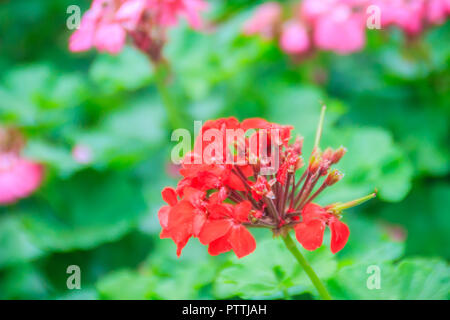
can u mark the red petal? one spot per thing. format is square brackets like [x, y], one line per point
[314, 211]
[214, 229]
[180, 224]
[180, 221]
[235, 183]
[193, 195]
[339, 234]
[219, 246]
[241, 241]
[254, 123]
[310, 234]
[246, 170]
[163, 216]
[164, 234]
[282, 173]
[169, 196]
[242, 210]
[180, 245]
[199, 221]
[219, 196]
[183, 184]
[220, 211]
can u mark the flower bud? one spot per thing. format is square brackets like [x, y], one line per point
[261, 188]
[314, 162]
[324, 166]
[300, 163]
[338, 154]
[328, 154]
[337, 208]
[333, 177]
[298, 145]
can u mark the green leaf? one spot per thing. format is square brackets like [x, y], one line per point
[413, 279]
[24, 281]
[124, 285]
[270, 270]
[129, 70]
[47, 99]
[126, 135]
[16, 245]
[52, 155]
[84, 211]
[372, 161]
[424, 213]
[368, 241]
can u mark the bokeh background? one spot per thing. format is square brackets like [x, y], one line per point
[389, 105]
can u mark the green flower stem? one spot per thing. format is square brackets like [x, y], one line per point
[174, 117]
[306, 266]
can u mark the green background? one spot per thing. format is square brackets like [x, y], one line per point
[389, 105]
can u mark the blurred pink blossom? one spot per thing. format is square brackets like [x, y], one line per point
[167, 11]
[19, 177]
[264, 20]
[99, 28]
[106, 24]
[310, 10]
[437, 11]
[294, 38]
[340, 30]
[130, 12]
[413, 15]
[410, 16]
[340, 25]
[395, 232]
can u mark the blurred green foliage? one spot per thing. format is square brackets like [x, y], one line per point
[389, 105]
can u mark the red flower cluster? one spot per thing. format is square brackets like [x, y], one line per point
[217, 201]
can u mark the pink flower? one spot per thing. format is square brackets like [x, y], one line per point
[294, 38]
[310, 10]
[406, 14]
[340, 30]
[264, 20]
[100, 29]
[19, 177]
[130, 13]
[410, 17]
[166, 12]
[437, 10]
[106, 24]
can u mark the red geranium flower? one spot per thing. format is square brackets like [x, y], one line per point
[217, 200]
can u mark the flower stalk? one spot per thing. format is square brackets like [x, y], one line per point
[161, 78]
[321, 289]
